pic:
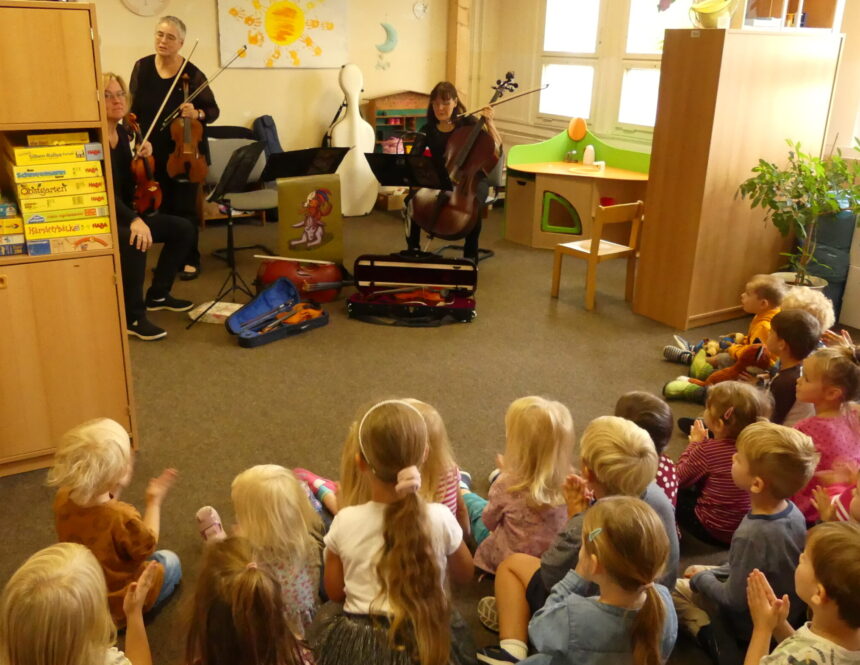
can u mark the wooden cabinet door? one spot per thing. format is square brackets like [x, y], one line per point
[61, 357]
[59, 85]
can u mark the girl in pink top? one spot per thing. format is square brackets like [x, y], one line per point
[830, 378]
[526, 507]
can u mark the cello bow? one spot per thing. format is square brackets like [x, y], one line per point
[507, 99]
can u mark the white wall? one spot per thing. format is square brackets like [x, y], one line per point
[302, 101]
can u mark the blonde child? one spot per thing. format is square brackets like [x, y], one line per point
[525, 508]
[827, 579]
[440, 469]
[388, 559]
[53, 612]
[629, 618]
[275, 516]
[771, 463]
[238, 615]
[813, 302]
[654, 416]
[830, 378]
[842, 507]
[93, 464]
[710, 505]
[617, 457]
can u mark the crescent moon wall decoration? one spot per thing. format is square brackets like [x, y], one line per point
[390, 39]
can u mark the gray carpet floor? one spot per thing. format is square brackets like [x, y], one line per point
[212, 409]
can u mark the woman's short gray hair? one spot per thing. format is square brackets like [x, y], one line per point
[176, 23]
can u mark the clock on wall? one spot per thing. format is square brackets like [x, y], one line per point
[146, 7]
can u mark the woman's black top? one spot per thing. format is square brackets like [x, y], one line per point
[437, 140]
[148, 90]
[123, 182]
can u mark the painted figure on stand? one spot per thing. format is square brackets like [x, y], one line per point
[315, 207]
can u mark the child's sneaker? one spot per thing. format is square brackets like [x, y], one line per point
[314, 481]
[700, 368]
[209, 524]
[488, 614]
[495, 656]
[493, 475]
[682, 389]
[682, 344]
[674, 354]
[465, 480]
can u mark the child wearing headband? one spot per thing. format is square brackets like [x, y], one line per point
[710, 505]
[388, 560]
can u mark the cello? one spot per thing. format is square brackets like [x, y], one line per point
[469, 156]
[187, 161]
[147, 191]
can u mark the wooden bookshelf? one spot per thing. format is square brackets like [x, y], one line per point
[392, 116]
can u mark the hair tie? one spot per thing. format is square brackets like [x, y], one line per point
[371, 410]
[728, 414]
[408, 481]
[594, 533]
[252, 565]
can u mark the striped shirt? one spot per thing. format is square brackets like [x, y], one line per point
[449, 488]
[721, 504]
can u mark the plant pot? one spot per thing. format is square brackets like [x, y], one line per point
[817, 283]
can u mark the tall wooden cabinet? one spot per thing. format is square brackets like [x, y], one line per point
[727, 98]
[63, 346]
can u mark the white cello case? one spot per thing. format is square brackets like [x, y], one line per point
[358, 186]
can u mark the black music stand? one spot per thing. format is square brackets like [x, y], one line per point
[231, 185]
[297, 163]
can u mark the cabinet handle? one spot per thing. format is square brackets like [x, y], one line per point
[2, 281]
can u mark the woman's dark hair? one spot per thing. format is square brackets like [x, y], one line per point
[444, 90]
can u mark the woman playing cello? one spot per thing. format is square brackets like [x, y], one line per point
[444, 116]
[150, 81]
[136, 236]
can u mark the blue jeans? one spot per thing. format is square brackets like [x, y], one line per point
[475, 506]
[172, 574]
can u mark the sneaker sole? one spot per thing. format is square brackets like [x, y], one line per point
[155, 308]
[488, 616]
[147, 338]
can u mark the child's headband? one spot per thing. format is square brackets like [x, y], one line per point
[408, 479]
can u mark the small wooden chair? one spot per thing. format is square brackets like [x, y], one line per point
[595, 250]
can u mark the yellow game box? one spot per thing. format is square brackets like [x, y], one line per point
[55, 171]
[45, 188]
[54, 154]
[29, 206]
[84, 243]
[78, 227]
[11, 225]
[64, 138]
[66, 215]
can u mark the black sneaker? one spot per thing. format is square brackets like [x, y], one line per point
[146, 330]
[168, 302]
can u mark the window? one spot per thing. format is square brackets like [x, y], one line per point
[601, 59]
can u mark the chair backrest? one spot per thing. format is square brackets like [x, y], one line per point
[220, 150]
[618, 214]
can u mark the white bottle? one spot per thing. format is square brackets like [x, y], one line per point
[588, 154]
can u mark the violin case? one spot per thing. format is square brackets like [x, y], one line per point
[275, 313]
[391, 290]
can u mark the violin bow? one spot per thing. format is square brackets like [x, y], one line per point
[506, 99]
[167, 96]
[202, 87]
[296, 259]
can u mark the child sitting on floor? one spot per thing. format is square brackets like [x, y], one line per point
[93, 464]
[285, 532]
[771, 463]
[654, 416]
[811, 301]
[710, 505]
[526, 507]
[238, 615]
[842, 507]
[53, 612]
[629, 618]
[830, 378]
[828, 581]
[617, 457]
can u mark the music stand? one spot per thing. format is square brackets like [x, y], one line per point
[408, 171]
[297, 163]
[230, 186]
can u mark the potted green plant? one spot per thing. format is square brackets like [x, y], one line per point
[796, 196]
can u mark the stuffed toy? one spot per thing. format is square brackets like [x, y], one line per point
[732, 338]
[753, 355]
[711, 347]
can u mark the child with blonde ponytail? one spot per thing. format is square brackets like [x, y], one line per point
[388, 559]
[631, 621]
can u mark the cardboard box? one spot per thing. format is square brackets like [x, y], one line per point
[66, 215]
[29, 206]
[79, 227]
[12, 245]
[390, 200]
[8, 209]
[85, 243]
[54, 154]
[46, 188]
[55, 171]
[12, 225]
[64, 138]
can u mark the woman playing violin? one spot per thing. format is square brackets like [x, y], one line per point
[150, 80]
[444, 115]
[136, 236]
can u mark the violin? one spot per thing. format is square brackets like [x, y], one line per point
[317, 282]
[147, 191]
[186, 160]
[469, 156]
